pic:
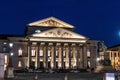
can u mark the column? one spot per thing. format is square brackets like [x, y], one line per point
[38, 55]
[117, 53]
[81, 57]
[110, 55]
[59, 56]
[77, 55]
[67, 57]
[74, 57]
[113, 58]
[46, 55]
[29, 55]
[54, 55]
[62, 57]
[70, 51]
[85, 56]
[37, 62]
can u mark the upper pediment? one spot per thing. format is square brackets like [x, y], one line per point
[51, 22]
[59, 33]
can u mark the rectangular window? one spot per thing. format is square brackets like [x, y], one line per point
[33, 52]
[41, 52]
[88, 53]
[49, 52]
[57, 53]
[6, 59]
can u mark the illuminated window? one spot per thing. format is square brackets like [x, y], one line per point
[49, 53]
[19, 64]
[37, 31]
[88, 63]
[4, 43]
[6, 59]
[57, 52]
[4, 49]
[33, 52]
[20, 52]
[41, 53]
[88, 53]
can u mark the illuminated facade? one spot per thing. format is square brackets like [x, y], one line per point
[114, 55]
[50, 44]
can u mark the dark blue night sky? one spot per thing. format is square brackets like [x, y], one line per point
[96, 19]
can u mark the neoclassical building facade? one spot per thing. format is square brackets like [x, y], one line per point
[49, 44]
[114, 56]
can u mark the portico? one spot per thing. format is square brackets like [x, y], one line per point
[56, 55]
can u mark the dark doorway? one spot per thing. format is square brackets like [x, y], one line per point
[41, 65]
[49, 65]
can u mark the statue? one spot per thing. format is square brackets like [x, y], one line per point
[104, 62]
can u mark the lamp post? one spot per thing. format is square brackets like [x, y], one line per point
[10, 72]
[10, 54]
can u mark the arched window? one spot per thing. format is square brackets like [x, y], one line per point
[19, 64]
[20, 52]
[4, 48]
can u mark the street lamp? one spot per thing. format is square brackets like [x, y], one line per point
[11, 54]
[98, 61]
[10, 45]
[10, 66]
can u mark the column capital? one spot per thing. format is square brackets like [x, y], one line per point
[69, 44]
[46, 43]
[38, 43]
[54, 44]
[62, 44]
[29, 43]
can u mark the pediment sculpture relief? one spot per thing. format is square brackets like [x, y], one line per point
[59, 33]
[51, 23]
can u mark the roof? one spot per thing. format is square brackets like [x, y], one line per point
[114, 48]
[5, 36]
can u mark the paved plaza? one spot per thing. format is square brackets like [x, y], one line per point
[57, 76]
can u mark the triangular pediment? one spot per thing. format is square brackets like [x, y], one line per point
[59, 33]
[51, 22]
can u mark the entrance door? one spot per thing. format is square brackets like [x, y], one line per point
[32, 65]
[56, 65]
[41, 65]
[49, 65]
